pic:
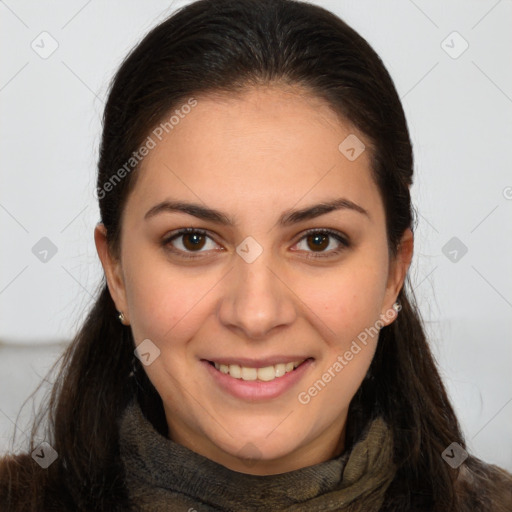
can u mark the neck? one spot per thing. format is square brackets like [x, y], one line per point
[261, 459]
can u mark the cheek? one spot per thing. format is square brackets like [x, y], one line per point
[163, 301]
[347, 300]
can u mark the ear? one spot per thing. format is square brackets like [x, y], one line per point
[113, 271]
[398, 268]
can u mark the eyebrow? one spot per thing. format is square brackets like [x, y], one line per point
[288, 218]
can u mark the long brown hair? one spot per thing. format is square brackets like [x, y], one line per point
[227, 45]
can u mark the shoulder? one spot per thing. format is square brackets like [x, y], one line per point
[482, 486]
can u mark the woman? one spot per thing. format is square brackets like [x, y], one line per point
[284, 366]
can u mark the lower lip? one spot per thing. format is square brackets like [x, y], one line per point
[257, 389]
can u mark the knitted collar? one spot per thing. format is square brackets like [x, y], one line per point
[164, 475]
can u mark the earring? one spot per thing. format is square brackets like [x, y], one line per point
[397, 306]
[121, 317]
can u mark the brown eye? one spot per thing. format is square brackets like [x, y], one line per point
[319, 240]
[193, 241]
[188, 241]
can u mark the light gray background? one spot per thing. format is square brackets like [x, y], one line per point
[459, 109]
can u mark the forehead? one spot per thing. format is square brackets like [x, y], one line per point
[261, 148]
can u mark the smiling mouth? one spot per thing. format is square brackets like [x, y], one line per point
[266, 374]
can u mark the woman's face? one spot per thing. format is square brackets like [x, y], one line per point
[253, 289]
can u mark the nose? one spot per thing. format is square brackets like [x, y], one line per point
[258, 298]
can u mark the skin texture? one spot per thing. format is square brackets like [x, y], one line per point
[253, 156]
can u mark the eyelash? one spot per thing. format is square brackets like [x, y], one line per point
[332, 253]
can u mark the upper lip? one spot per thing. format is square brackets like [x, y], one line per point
[257, 363]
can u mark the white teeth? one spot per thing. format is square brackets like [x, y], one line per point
[265, 374]
[249, 373]
[280, 369]
[235, 371]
